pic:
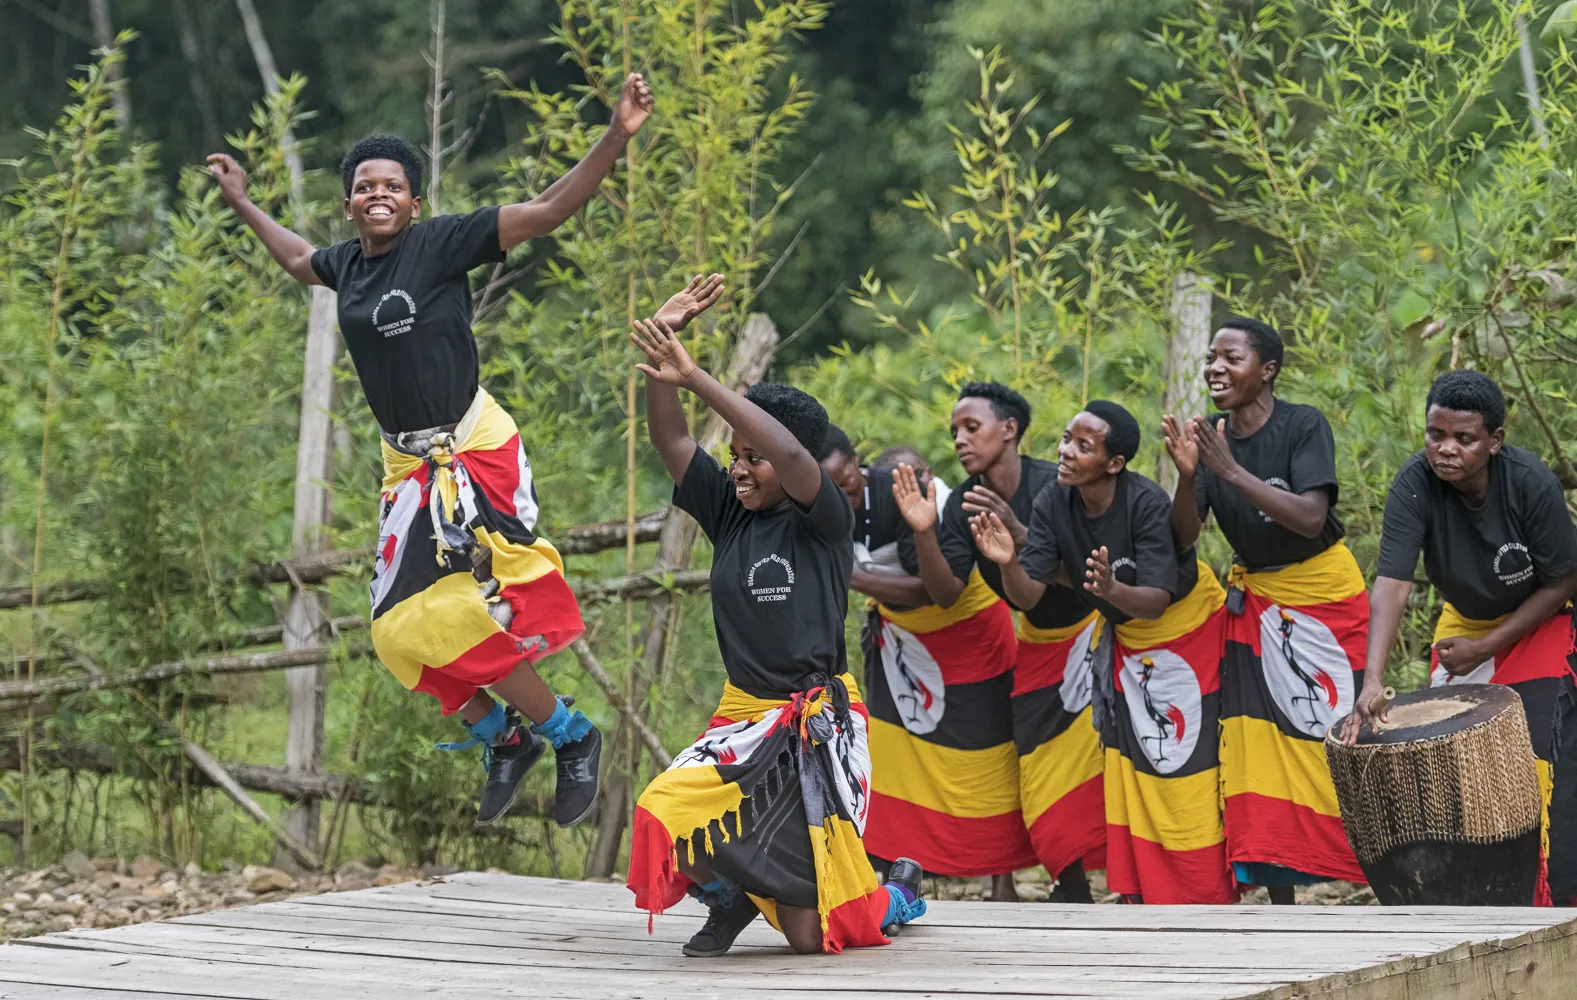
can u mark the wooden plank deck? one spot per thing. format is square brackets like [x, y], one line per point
[486, 936]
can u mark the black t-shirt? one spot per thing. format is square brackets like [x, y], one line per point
[1294, 451]
[1486, 562]
[406, 317]
[1136, 530]
[879, 523]
[1060, 606]
[780, 580]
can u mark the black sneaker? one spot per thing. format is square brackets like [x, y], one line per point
[1073, 886]
[907, 873]
[507, 765]
[723, 926]
[579, 780]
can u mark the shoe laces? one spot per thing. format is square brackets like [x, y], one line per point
[574, 767]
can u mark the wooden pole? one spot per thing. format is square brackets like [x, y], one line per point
[1184, 394]
[104, 38]
[1530, 82]
[752, 355]
[304, 621]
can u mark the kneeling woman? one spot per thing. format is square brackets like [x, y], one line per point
[765, 812]
[1158, 702]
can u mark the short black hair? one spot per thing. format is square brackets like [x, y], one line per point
[1004, 402]
[1264, 338]
[1470, 392]
[1122, 430]
[836, 443]
[796, 410]
[383, 147]
[894, 456]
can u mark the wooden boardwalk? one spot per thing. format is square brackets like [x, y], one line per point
[491, 936]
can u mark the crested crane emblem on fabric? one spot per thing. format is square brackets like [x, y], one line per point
[725, 744]
[1078, 678]
[914, 678]
[1306, 670]
[1165, 706]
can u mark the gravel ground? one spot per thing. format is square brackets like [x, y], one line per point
[111, 892]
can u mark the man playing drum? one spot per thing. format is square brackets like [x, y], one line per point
[1498, 543]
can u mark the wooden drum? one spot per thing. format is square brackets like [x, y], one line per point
[1442, 805]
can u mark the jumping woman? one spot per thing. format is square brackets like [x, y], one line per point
[765, 812]
[465, 595]
[1266, 469]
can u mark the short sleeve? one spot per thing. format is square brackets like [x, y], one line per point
[953, 537]
[1552, 539]
[1041, 557]
[1153, 548]
[329, 263]
[1406, 521]
[459, 243]
[705, 493]
[1313, 449]
[829, 515]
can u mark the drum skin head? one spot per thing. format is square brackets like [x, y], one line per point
[1432, 712]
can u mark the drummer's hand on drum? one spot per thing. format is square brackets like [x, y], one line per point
[1361, 716]
[1460, 655]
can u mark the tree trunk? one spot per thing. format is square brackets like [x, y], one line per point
[1184, 395]
[186, 27]
[104, 38]
[751, 357]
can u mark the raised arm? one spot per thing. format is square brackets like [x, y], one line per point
[1180, 445]
[995, 542]
[919, 511]
[292, 252]
[1303, 513]
[669, 365]
[1140, 602]
[565, 196]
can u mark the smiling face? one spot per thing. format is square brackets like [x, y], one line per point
[844, 470]
[381, 203]
[979, 435]
[1081, 457]
[755, 481]
[1234, 373]
[1458, 445]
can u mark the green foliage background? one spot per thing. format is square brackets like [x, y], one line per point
[918, 193]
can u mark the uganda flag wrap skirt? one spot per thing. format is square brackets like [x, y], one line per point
[454, 519]
[944, 768]
[1293, 666]
[1061, 765]
[1165, 842]
[775, 794]
[1537, 667]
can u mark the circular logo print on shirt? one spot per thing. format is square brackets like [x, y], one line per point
[1280, 484]
[1306, 669]
[914, 678]
[395, 313]
[770, 580]
[1513, 565]
[1165, 707]
[1078, 675]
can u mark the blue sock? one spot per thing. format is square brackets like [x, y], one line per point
[563, 726]
[902, 905]
[484, 733]
[719, 888]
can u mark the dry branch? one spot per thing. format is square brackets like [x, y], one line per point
[610, 691]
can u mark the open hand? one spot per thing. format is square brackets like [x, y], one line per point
[1098, 578]
[1180, 445]
[980, 500]
[634, 106]
[690, 302]
[231, 178]
[669, 361]
[992, 537]
[1460, 655]
[918, 508]
[1211, 444]
[1361, 715]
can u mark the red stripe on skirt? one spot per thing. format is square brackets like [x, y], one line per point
[978, 648]
[857, 923]
[1073, 828]
[1293, 836]
[960, 846]
[497, 473]
[653, 876]
[1198, 876]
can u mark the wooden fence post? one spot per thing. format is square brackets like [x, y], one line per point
[1187, 343]
[752, 355]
